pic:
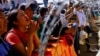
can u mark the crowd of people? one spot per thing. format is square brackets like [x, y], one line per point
[21, 24]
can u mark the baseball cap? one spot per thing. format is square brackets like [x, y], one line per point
[24, 6]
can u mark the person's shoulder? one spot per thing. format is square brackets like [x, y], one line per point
[11, 34]
[12, 39]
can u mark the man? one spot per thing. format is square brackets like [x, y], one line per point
[81, 22]
[81, 16]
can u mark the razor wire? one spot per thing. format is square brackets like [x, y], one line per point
[45, 36]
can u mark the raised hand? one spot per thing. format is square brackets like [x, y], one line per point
[33, 27]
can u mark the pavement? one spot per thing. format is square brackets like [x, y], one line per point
[93, 40]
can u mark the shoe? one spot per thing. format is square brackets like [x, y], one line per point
[93, 50]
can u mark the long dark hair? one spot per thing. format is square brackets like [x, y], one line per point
[12, 17]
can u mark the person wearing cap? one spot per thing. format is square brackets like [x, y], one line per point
[82, 21]
[22, 34]
[28, 8]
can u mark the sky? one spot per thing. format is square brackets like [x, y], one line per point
[41, 1]
[52, 0]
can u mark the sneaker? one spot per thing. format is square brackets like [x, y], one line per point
[93, 50]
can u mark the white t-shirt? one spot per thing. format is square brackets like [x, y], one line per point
[81, 17]
[64, 22]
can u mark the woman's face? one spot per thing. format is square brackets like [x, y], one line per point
[23, 19]
[3, 24]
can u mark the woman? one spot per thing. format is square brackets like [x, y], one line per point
[3, 29]
[22, 33]
[67, 37]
